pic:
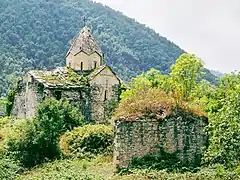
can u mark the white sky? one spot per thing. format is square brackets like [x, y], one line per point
[208, 28]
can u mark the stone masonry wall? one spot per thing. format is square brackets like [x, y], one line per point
[177, 133]
[27, 98]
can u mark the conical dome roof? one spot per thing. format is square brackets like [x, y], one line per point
[85, 42]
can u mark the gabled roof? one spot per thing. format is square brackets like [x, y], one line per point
[85, 42]
[99, 70]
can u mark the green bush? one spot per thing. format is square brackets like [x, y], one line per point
[8, 168]
[10, 101]
[33, 142]
[87, 141]
[223, 129]
[4, 121]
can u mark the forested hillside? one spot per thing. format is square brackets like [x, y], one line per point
[37, 34]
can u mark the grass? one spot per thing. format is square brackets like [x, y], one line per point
[98, 168]
[102, 168]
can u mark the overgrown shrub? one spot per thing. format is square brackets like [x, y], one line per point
[153, 91]
[224, 126]
[88, 140]
[34, 142]
[153, 100]
[8, 168]
[11, 133]
[2, 106]
[143, 100]
[10, 101]
[4, 121]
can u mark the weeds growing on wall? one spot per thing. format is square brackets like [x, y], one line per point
[153, 101]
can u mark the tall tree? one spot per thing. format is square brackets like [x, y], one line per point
[224, 127]
[185, 75]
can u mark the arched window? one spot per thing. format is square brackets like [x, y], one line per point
[81, 66]
[95, 64]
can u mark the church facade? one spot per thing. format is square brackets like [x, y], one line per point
[86, 82]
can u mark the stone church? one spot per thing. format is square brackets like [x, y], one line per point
[86, 82]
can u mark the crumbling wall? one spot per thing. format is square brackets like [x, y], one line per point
[178, 133]
[29, 94]
[32, 93]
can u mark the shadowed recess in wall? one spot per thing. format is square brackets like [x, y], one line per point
[160, 160]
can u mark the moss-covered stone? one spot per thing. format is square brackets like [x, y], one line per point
[63, 77]
[180, 134]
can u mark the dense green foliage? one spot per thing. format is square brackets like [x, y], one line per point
[87, 141]
[185, 75]
[4, 121]
[36, 35]
[63, 169]
[10, 101]
[153, 91]
[224, 129]
[33, 142]
[8, 168]
[2, 106]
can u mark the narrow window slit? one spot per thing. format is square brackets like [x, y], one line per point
[81, 66]
[105, 95]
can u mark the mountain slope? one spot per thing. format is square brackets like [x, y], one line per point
[37, 34]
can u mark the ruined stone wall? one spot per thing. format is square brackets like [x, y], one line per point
[178, 134]
[30, 93]
[27, 98]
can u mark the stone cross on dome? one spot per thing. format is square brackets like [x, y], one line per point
[85, 20]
